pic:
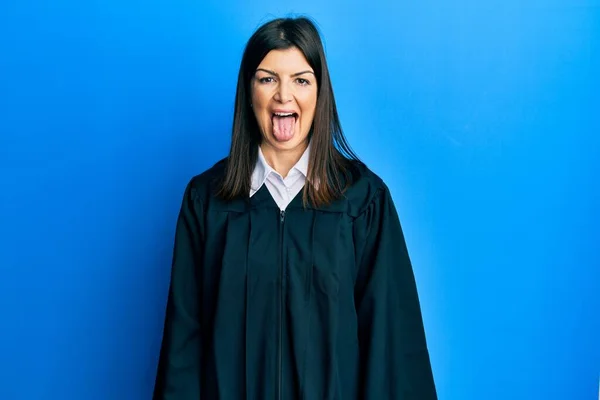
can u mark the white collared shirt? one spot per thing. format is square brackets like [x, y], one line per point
[283, 190]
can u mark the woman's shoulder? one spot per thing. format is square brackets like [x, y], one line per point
[365, 188]
[363, 175]
[204, 185]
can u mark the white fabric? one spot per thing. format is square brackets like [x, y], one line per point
[283, 190]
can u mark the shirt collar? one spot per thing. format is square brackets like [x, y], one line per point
[262, 169]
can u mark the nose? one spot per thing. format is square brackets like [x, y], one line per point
[283, 94]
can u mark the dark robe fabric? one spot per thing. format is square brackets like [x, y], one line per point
[310, 303]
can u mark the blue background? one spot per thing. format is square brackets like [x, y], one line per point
[482, 116]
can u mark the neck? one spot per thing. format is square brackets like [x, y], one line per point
[282, 161]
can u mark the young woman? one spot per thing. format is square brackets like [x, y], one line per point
[290, 277]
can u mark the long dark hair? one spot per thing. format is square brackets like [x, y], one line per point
[332, 161]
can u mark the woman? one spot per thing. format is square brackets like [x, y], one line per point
[290, 276]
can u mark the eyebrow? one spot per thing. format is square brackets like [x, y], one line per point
[268, 71]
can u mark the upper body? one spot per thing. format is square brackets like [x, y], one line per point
[306, 293]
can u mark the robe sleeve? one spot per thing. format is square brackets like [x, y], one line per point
[178, 376]
[394, 359]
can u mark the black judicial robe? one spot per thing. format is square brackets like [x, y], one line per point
[310, 303]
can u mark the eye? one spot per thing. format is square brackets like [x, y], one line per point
[303, 81]
[266, 79]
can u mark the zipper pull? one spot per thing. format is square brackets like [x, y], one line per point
[282, 215]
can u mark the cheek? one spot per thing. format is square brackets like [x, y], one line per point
[311, 102]
[259, 105]
[308, 109]
[260, 97]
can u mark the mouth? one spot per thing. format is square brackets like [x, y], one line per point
[284, 115]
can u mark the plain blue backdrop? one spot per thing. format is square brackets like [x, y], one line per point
[482, 116]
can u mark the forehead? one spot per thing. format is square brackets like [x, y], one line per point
[290, 60]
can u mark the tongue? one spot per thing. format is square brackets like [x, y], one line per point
[283, 127]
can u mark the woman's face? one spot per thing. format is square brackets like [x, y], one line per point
[284, 98]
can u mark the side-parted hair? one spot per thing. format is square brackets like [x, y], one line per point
[332, 161]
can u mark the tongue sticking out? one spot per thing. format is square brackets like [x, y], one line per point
[283, 127]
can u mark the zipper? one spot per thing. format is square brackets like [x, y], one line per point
[281, 267]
